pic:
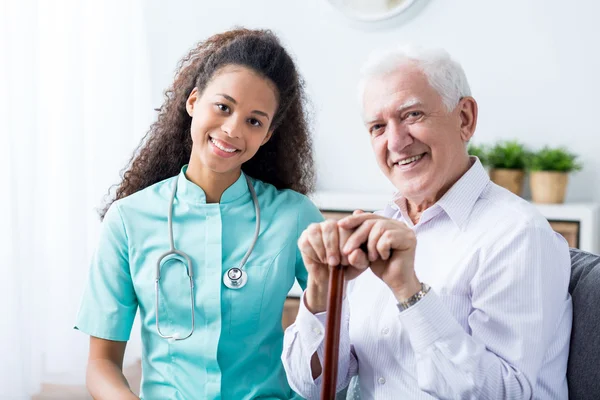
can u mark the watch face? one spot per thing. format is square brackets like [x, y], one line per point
[371, 10]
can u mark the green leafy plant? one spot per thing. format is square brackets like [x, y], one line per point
[553, 159]
[509, 154]
[480, 151]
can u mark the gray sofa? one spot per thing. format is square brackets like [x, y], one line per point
[583, 373]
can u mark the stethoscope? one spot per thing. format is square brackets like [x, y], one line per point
[234, 278]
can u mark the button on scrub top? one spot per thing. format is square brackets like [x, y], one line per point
[234, 352]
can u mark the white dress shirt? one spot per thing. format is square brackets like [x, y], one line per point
[495, 325]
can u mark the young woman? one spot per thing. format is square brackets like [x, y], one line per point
[202, 234]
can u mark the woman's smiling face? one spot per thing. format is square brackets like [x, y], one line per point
[231, 118]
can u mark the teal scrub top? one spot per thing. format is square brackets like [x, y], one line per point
[235, 350]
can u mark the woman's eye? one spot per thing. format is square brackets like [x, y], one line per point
[254, 122]
[223, 107]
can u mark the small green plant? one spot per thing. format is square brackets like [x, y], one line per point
[508, 154]
[479, 151]
[553, 159]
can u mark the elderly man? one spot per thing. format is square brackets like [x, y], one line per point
[463, 290]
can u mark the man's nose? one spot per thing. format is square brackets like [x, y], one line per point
[398, 136]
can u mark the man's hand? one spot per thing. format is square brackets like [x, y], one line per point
[321, 248]
[391, 250]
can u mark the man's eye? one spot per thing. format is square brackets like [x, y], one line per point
[414, 114]
[255, 122]
[376, 128]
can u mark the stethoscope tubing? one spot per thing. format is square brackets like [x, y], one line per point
[189, 268]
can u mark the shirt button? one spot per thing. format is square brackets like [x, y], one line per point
[317, 331]
[385, 331]
[381, 380]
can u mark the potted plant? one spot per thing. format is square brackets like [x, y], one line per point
[479, 151]
[549, 172]
[506, 160]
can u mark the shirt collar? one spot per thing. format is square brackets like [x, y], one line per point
[459, 200]
[189, 192]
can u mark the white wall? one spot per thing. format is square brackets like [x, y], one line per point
[533, 67]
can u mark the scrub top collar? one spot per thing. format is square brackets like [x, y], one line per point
[189, 192]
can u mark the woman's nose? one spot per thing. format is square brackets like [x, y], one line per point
[232, 127]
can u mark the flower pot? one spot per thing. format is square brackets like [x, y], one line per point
[548, 186]
[511, 179]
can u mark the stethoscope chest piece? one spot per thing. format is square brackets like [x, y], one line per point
[235, 278]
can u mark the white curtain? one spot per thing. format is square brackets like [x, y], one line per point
[74, 102]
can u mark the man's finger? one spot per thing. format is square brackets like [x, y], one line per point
[353, 221]
[358, 237]
[384, 244]
[358, 264]
[307, 250]
[331, 242]
[315, 238]
[376, 232]
[358, 259]
[343, 235]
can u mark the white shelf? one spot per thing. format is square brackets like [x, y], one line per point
[588, 216]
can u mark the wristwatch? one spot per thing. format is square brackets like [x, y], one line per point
[414, 299]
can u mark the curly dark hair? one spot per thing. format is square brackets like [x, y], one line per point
[285, 161]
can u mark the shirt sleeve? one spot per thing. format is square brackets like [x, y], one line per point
[109, 302]
[304, 338]
[309, 213]
[519, 297]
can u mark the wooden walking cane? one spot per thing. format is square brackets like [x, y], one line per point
[332, 332]
[332, 329]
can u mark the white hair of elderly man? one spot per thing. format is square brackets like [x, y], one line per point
[443, 73]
